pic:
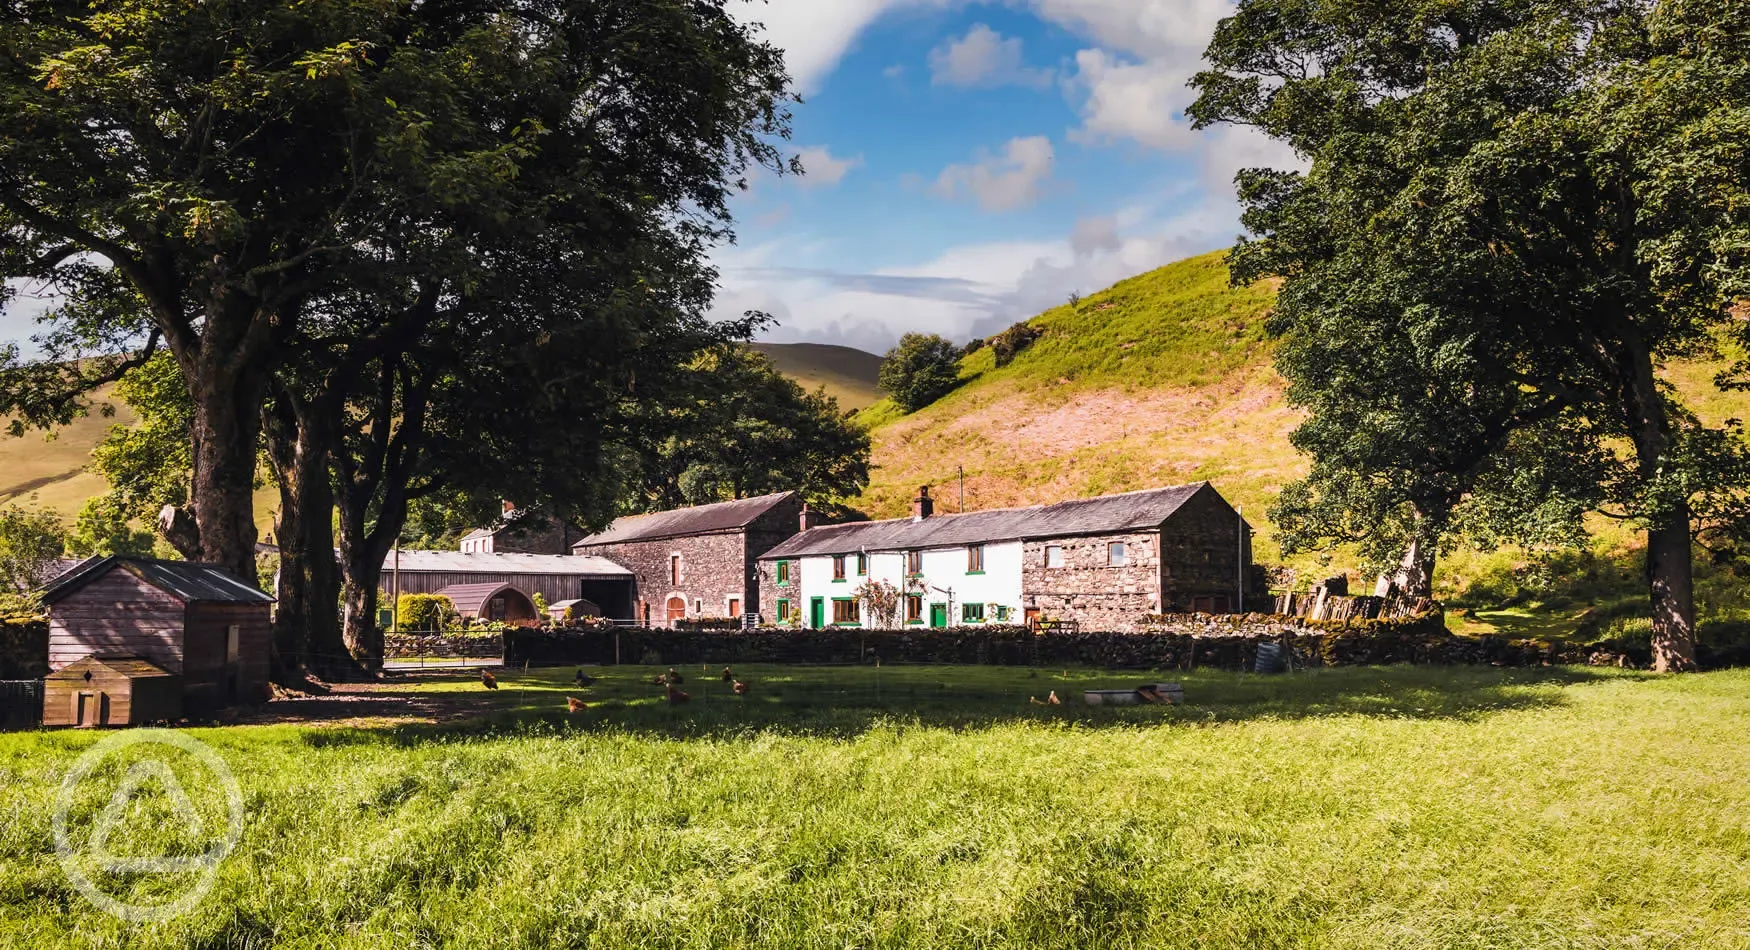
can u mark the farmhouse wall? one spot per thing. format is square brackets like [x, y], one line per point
[772, 528]
[714, 568]
[1200, 555]
[1087, 589]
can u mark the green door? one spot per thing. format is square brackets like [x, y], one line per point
[938, 615]
[817, 612]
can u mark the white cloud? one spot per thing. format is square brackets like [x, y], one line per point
[1093, 235]
[820, 168]
[1143, 102]
[983, 58]
[1014, 179]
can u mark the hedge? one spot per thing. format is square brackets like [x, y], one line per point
[24, 648]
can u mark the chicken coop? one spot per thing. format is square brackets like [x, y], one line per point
[111, 691]
[198, 624]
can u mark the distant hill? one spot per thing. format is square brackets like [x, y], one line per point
[848, 374]
[39, 470]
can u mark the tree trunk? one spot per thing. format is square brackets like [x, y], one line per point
[307, 634]
[1670, 567]
[226, 429]
[364, 637]
[1414, 575]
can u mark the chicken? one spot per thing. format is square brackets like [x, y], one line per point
[575, 705]
[659, 679]
[738, 686]
[674, 677]
[676, 696]
[728, 677]
[1050, 700]
[583, 679]
[488, 680]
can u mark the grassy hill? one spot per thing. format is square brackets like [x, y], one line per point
[1164, 378]
[40, 470]
[847, 373]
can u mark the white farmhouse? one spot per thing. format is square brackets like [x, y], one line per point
[1105, 563]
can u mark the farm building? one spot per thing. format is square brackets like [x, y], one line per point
[698, 562]
[513, 579]
[1105, 563]
[195, 622]
[111, 691]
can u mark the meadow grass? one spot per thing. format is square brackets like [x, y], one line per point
[933, 807]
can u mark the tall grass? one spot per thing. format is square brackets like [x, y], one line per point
[934, 807]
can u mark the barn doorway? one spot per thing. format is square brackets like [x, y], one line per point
[677, 610]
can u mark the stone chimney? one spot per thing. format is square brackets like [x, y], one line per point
[508, 508]
[922, 507]
[811, 519]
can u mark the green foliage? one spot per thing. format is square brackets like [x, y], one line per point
[1006, 345]
[738, 428]
[540, 602]
[29, 543]
[919, 370]
[104, 528]
[424, 612]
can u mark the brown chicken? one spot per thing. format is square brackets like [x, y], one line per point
[674, 677]
[488, 680]
[1050, 700]
[575, 705]
[676, 696]
[738, 686]
[728, 677]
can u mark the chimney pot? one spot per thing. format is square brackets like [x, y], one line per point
[922, 507]
[508, 507]
[810, 518]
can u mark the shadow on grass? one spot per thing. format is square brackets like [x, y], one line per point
[843, 702]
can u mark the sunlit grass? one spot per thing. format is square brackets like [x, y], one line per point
[1346, 808]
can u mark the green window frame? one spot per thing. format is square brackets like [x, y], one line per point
[972, 613]
[845, 612]
[783, 610]
[783, 572]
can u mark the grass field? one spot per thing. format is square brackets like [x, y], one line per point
[934, 807]
[848, 374]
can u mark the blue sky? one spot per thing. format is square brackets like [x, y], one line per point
[970, 163]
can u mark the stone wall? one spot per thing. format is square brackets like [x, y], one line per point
[402, 645]
[1201, 551]
[713, 567]
[778, 524]
[772, 591]
[1087, 589]
[534, 536]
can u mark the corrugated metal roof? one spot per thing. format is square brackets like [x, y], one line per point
[1112, 513]
[468, 599]
[462, 562]
[188, 581]
[478, 533]
[681, 522]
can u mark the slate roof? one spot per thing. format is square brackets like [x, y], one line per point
[1109, 514]
[683, 522]
[459, 562]
[188, 581]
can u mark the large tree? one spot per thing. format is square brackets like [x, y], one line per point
[198, 176]
[1457, 153]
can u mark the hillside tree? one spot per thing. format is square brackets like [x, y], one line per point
[919, 370]
[1457, 153]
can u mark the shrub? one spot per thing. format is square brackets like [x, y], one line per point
[1009, 343]
[920, 370]
[425, 612]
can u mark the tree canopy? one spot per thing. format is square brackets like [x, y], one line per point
[919, 370]
[1472, 260]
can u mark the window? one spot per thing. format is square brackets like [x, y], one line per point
[914, 563]
[783, 611]
[674, 570]
[972, 613]
[783, 572]
[844, 610]
[862, 565]
[975, 559]
[698, 608]
[914, 608]
[838, 567]
[1002, 614]
[1054, 555]
[1116, 555]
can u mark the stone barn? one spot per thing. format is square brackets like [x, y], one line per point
[698, 562]
[197, 623]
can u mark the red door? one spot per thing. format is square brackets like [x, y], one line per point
[677, 610]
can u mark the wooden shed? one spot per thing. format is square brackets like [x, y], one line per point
[111, 691]
[197, 622]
